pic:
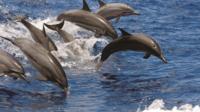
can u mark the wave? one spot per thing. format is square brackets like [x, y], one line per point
[158, 105]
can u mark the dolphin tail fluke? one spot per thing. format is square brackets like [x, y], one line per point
[101, 3]
[55, 27]
[20, 18]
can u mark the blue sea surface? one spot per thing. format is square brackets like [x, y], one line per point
[126, 82]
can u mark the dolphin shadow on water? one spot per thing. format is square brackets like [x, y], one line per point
[130, 89]
[131, 83]
[33, 100]
[5, 91]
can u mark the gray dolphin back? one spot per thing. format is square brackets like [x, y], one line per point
[89, 21]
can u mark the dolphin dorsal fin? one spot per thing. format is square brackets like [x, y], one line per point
[55, 27]
[46, 38]
[85, 6]
[44, 31]
[101, 3]
[124, 33]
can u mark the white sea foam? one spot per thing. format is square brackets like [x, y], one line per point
[77, 53]
[158, 105]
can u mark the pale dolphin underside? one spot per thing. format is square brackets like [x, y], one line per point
[10, 66]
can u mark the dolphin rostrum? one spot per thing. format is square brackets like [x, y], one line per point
[48, 66]
[10, 66]
[38, 35]
[58, 27]
[88, 20]
[134, 42]
[115, 10]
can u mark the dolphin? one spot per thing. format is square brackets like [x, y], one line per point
[10, 66]
[90, 21]
[58, 27]
[38, 35]
[115, 10]
[134, 42]
[48, 66]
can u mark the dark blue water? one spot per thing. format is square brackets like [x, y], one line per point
[126, 81]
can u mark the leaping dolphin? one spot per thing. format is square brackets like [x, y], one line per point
[38, 35]
[10, 66]
[48, 66]
[58, 27]
[115, 10]
[88, 20]
[134, 42]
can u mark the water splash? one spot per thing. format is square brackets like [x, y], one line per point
[76, 54]
[158, 105]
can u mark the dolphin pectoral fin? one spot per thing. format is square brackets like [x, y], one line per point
[41, 78]
[85, 6]
[147, 55]
[117, 19]
[101, 3]
[124, 33]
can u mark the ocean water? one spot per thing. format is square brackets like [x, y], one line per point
[126, 82]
